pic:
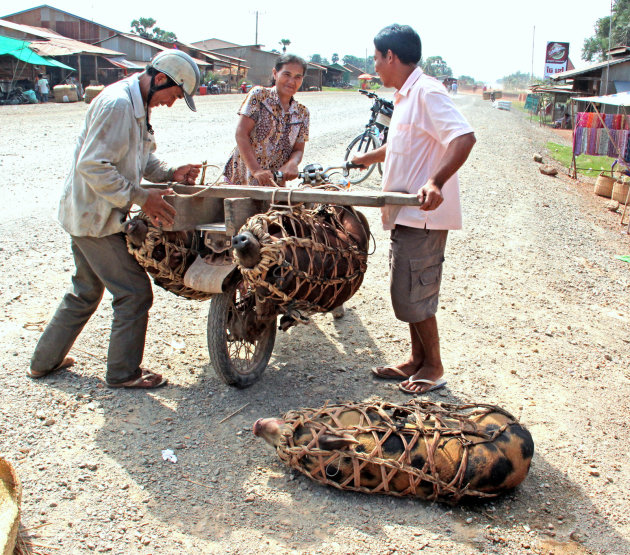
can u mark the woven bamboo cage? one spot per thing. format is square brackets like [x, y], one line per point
[10, 501]
[434, 451]
[166, 255]
[309, 262]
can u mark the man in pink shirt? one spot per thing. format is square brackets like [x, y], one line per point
[428, 142]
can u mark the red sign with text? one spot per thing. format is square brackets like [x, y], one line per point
[556, 58]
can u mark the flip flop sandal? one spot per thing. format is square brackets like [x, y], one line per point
[66, 363]
[383, 372]
[439, 384]
[148, 380]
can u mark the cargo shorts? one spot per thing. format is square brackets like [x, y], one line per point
[415, 269]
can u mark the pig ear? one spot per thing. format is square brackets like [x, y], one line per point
[330, 442]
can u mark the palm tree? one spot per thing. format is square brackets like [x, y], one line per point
[284, 43]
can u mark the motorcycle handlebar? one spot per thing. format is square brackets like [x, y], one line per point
[319, 175]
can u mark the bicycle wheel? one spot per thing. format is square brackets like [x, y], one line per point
[360, 145]
[239, 345]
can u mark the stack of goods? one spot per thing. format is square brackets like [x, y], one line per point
[65, 93]
[92, 92]
[602, 135]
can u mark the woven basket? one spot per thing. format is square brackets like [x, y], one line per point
[620, 192]
[604, 185]
[10, 500]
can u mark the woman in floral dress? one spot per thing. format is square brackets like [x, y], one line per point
[272, 129]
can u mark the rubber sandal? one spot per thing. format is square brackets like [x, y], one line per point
[381, 372]
[148, 380]
[439, 384]
[66, 363]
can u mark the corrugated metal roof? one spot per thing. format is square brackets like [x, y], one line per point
[575, 72]
[61, 46]
[28, 29]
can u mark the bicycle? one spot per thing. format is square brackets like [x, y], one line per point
[374, 135]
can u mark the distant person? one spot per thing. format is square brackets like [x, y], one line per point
[114, 151]
[454, 88]
[244, 87]
[72, 80]
[42, 87]
[428, 142]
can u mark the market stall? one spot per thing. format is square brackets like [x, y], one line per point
[600, 134]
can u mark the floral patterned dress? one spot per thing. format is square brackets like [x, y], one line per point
[273, 137]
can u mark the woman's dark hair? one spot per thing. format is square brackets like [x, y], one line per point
[284, 59]
[289, 59]
[402, 40]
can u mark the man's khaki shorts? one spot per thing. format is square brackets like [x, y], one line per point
[415, 266]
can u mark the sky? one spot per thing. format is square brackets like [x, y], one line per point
[481, 39]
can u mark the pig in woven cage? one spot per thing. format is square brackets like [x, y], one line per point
[301, 260]
[433, 451]
[165, 255]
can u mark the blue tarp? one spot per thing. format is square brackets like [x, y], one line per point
[20, 49]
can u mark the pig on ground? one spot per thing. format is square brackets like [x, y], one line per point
[433, 451]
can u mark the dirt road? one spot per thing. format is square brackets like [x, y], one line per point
[534, 317]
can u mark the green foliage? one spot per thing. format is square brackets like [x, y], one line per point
[437, 67]
[466, 80]
[145, 27]
[587, 165]
[595, 47]
[360, 62]
[316, 59]
[515, 81]
[335, 58]
[284, 43]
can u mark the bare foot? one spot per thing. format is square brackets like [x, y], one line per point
[431, 373]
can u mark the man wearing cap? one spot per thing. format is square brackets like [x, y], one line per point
[428, 142]
[114, 151]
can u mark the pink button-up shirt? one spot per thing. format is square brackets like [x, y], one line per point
[424, 122]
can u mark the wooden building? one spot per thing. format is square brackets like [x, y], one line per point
[63, 23]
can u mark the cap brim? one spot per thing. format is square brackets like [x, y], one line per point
[189, 101]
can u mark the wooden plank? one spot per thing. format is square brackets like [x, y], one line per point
[343, 198]
[237, 210]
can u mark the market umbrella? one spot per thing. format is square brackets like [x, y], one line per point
[366, 76]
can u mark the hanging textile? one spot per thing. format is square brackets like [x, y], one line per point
[610, 137]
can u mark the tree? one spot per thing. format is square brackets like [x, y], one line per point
[145, 27]
[595, 47]
[284, 43]
[359, 62]
[466, 80]
[437, 67]
[316, 59]
[335, 58]
[515, 81]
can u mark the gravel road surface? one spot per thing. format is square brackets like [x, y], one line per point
[534, 317]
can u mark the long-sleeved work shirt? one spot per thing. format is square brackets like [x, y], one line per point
[113, 153]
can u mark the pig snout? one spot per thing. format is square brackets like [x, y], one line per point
[247, 249]
[271, 430]
[136, 230]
